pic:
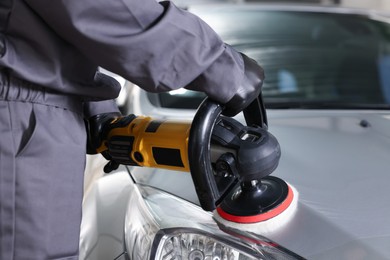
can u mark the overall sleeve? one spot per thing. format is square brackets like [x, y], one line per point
[155, 45]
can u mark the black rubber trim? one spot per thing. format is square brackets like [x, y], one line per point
[153, 126]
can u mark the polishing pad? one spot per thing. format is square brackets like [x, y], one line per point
[266, 213]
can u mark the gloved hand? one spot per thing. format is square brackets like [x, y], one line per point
[97, 128]
[249, 90]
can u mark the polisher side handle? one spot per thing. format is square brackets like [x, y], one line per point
[202, 127]
[199, 153]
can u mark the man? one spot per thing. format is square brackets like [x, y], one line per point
[49, 54]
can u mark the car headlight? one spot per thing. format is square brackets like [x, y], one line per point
[161, 226]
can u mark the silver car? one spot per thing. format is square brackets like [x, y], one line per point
[327, 93]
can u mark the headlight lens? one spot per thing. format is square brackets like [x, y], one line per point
[161, 226]
[193, 246]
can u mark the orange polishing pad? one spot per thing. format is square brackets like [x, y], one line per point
[262, 216]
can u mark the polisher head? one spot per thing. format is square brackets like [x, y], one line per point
[257, 201]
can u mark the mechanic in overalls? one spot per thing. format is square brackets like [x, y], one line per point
[49, 54]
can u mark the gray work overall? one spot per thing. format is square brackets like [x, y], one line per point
[42, 140]
[49, 54]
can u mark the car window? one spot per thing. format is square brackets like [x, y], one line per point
[311, 60]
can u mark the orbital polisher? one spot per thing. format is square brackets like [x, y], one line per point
[230, 163]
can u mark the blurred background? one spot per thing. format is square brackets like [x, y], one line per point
[374, 4]
[366, 4]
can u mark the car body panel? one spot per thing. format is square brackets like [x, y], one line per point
[104, 212]
[338, 162]
[338, 214]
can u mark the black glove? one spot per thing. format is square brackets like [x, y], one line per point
[249, 89]
[97, 129]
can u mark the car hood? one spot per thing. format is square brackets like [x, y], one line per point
[338, 161]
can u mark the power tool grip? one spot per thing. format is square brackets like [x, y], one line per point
[143, 141]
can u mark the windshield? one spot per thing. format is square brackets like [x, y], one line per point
[311, 60]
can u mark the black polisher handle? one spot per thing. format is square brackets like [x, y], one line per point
[199, 147]
[199, 151]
